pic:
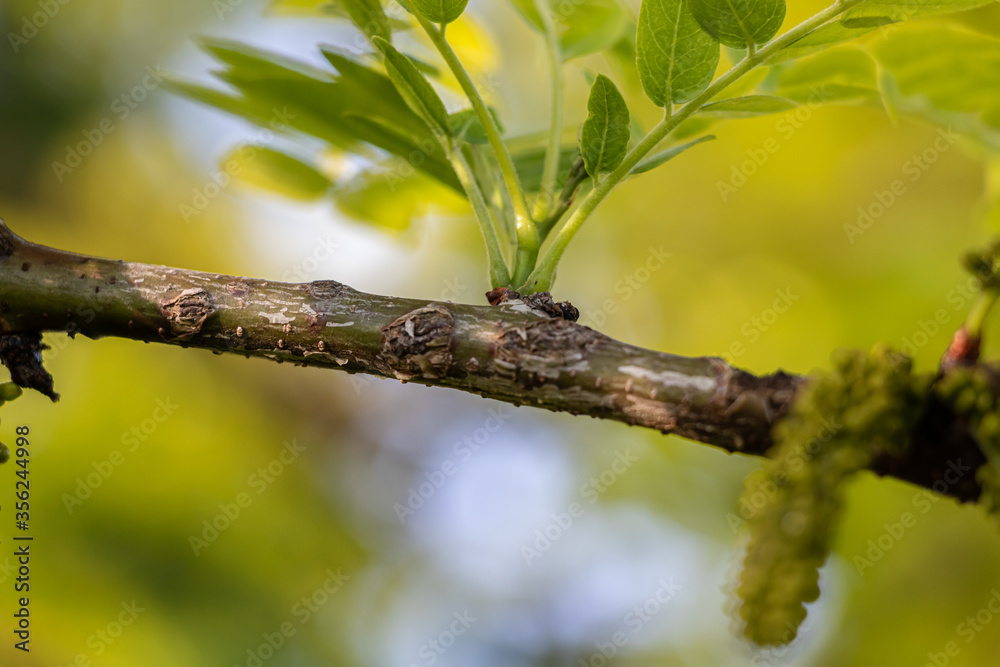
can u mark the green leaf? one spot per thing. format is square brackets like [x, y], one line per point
[369, 17]
[585, 26]
[737, 23]
[827, 36]
[676, 58]
[465, 126]
[440, 11]
[415, 89]
[592, 27]
[529, 164]
[526, 8]
[952, 68]
[748, 106]
[276, 172]
[845, 74]
[605, 134]
[903, 10]
[655, 160]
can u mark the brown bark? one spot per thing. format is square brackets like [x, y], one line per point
[513, 352]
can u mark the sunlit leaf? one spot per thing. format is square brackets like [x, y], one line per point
[676, 58]
[737, 23]
[655, 160]
[415, 89]
[827, 36]
[276, 172]
[748, 106]
[393, 199]
[605, 134]
[903, 10]
[954, 68]
[584, 26]
[844, 74]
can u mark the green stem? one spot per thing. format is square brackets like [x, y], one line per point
[550, 170]
[499, 275]
[543, 275]
[527, 234]
[980, 309]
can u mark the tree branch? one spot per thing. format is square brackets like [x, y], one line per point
[516, 352]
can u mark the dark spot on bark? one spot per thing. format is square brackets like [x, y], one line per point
[26, 266]
[4, 307]
[186, 312]
[22, 355]
[540, 351]
[112, 280]
[543, 301]
[419, 343]
[326, 289]
[239, 289]
[97, 290]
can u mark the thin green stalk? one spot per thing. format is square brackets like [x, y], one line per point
[541, 278]
[499, 275]
[527, 234]
[550, 170]
[980, 309]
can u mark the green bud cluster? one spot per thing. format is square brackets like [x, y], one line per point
[974, 395]
[8, 392]
[867, 404]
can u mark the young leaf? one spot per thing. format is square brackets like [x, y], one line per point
[676, 58]
[654, 161]
[903, 10]
[440, 11]
[845, 74]
[277, 172]
[369, 17]
[605, 134]
[827, 36]
[737, 23]
[415, 89]
[748, 106]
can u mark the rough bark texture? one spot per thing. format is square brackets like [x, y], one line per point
[512, 352]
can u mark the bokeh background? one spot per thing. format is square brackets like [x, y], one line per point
[150, 445]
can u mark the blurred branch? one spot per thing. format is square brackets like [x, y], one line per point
[520, 352]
